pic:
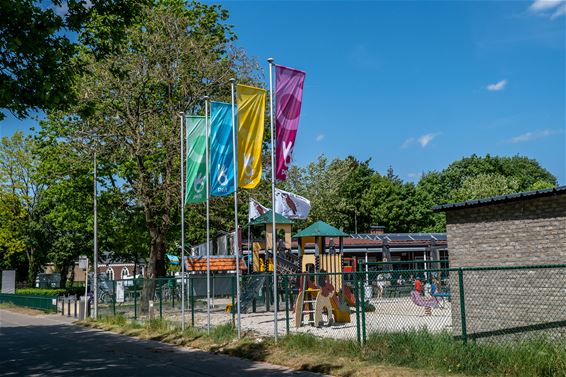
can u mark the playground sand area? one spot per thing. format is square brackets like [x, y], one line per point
[390, 315]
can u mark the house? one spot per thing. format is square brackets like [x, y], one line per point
[516, 231]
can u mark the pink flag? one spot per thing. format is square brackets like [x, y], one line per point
[288, 98]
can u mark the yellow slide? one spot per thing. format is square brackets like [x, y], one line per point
[341, 315]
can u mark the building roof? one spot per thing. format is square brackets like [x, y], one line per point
[320, 229]
[267, 218]
[501, 199]
[217, 263]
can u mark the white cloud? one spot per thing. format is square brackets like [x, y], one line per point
[319, 138]
[541, 5]
[549, 8]
[497, 86]
[408, 142]
[561, 11]
[423, 140]
[528, 136]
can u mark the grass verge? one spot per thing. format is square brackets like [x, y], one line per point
[416, 353]
[22, 309]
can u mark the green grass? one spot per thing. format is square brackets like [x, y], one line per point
[419, 350]
[538, 356]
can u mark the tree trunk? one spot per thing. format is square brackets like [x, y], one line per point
[155, 268]
[32, 271]
[64, 272]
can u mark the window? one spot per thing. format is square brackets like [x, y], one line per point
[110, 273]
[125, 272]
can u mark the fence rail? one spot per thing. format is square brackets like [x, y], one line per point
[487, 304]
[47, 303]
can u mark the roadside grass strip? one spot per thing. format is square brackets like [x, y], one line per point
[409, 353]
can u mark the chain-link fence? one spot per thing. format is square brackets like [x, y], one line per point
[492, 304]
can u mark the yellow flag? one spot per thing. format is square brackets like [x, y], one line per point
[251, 120]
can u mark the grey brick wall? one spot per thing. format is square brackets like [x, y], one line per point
[524, 233]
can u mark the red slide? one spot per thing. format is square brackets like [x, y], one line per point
[349, 296]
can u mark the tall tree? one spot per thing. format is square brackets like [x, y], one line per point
[38, 49]
[19, 185]
[130, 100]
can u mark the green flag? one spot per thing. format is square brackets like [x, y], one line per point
[196, 160]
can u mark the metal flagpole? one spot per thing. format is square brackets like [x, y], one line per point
[273, 230]
[249, 240]
[235, 239]
[95, 254]
[207, 218]
[182, 115]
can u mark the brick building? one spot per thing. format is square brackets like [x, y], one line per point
[523, 229]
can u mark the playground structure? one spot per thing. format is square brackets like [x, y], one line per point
[325, 298]
[317, 302]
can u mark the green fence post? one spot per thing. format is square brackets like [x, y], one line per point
[286, 283]
[233, 302]
[135, 301]
[173, 292]
[192, 301]
[363, 308]
[357, 296]
[462, 306]
[160, 301]
[114, 297]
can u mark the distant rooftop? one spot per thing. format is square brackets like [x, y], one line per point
[267, 218]
[560, 190]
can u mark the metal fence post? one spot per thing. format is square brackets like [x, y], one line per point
[173, 292]
[192, 300]
[135, 301]
[286, 283]
[114, 297]
[357, 296]
[363, 307]
[160, 301]
[462, 306]
[233, 302]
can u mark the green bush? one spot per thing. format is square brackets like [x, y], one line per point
[79, 291]
[41, 291]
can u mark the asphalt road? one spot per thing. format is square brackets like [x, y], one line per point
[51, 346]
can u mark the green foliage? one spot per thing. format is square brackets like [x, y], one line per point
[20, 192]
[421, 349]
[51, 291]
[346, 193]
[539, 356]
[41, 292]
[485, 185]
[37, 69]
[223, 333]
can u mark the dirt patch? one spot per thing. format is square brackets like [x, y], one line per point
[22, 310]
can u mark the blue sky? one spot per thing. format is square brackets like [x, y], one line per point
[416, 85]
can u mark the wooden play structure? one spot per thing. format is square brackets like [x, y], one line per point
[283, 230]
[322, 296]
[322, 299]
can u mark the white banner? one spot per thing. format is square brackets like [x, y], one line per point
[256, 210]
[290, 205]
[119, 291]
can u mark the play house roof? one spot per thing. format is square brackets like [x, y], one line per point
[320, 229]
[217, 263]
[266, 218]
